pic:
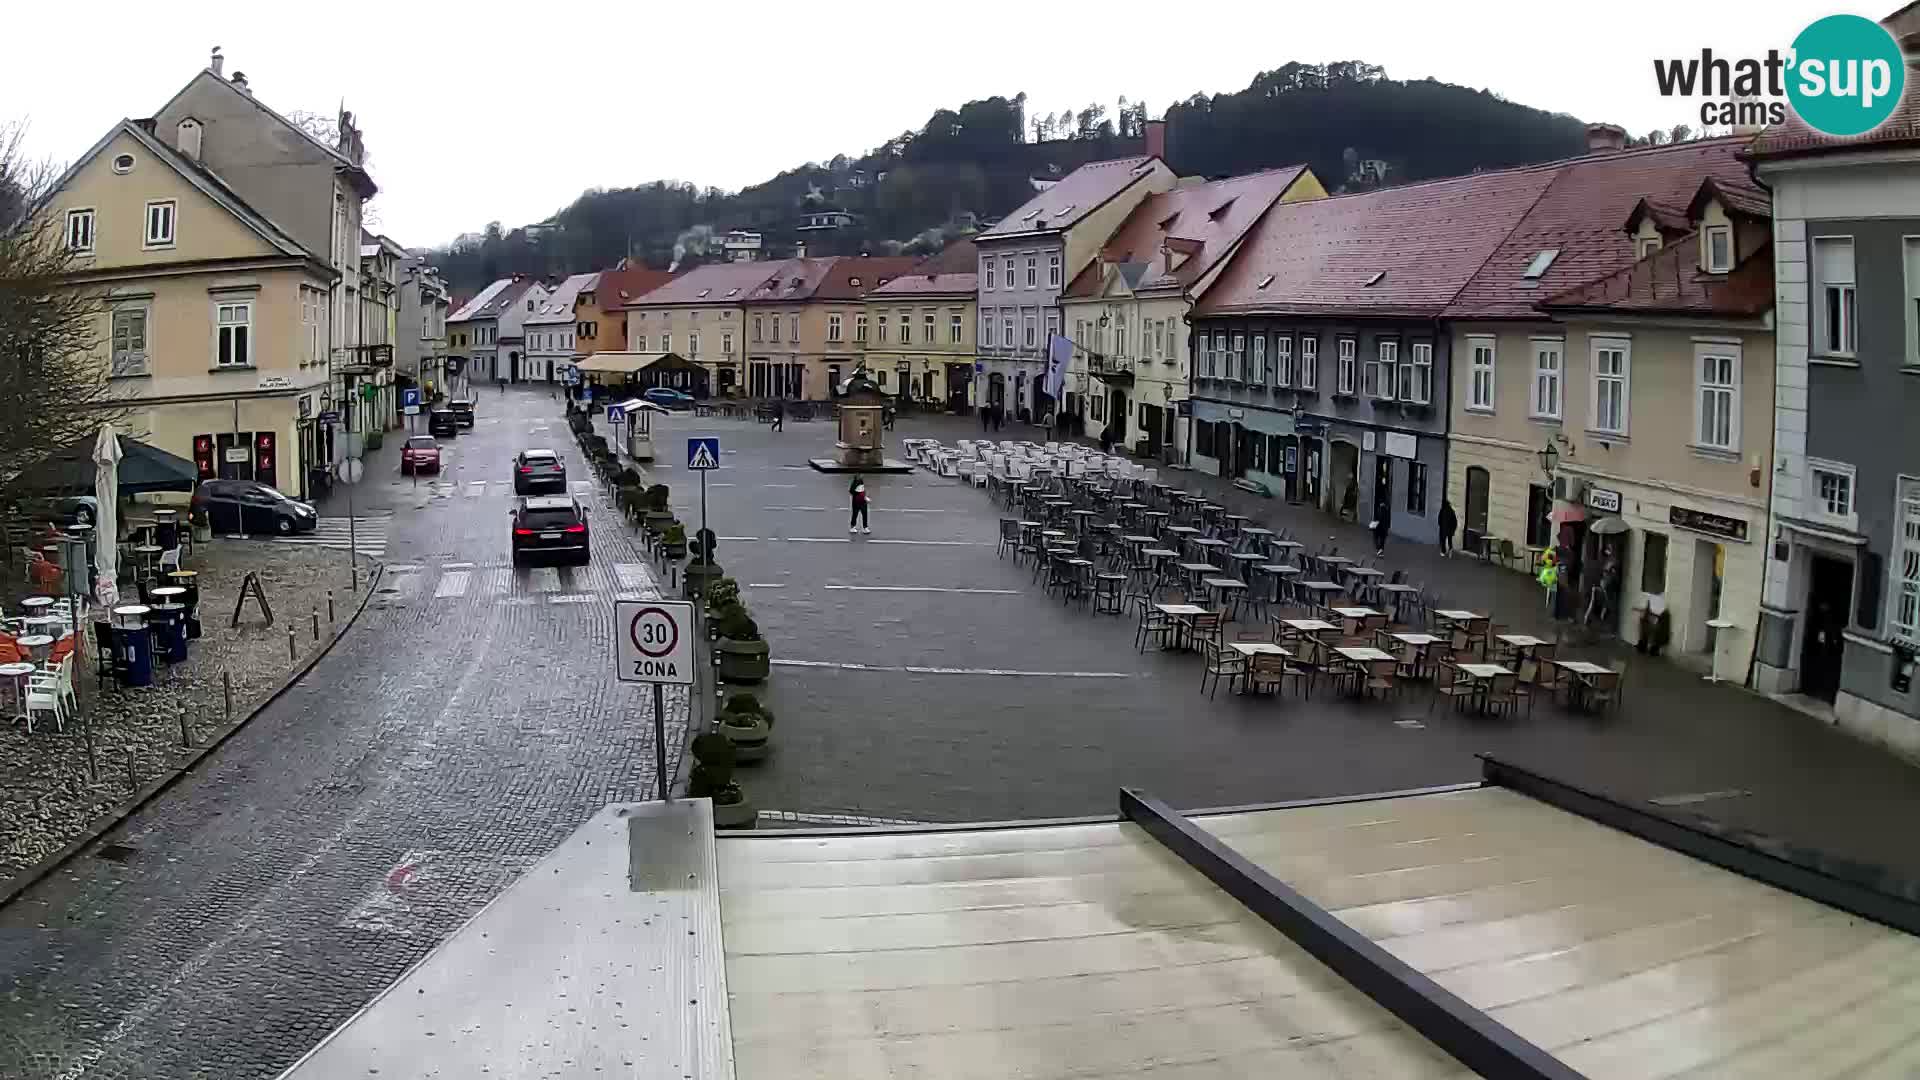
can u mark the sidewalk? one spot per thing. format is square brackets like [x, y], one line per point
[1731, 758]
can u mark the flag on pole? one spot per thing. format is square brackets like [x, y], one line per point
[1059, 354]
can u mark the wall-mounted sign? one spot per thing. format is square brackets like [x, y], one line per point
[1728, 528]
[1401, 445]
[1236, 414]
[234, 455]
[1367, 440]
[275, 382]
[1605, 500]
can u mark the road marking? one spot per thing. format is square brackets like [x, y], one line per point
[935, 543]
[766, 585]
[456, 566]
[848, 540]
[572, 598]
[741, 539]
[633, 575]
[402, 568]
[920, 588]
[453, 583]
[498, 581]
[903, 510]
[920, 670]
[816, 540]
[545, 579]
[779, 485]
[476, 488]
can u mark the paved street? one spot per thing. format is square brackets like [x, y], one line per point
[468, 723]
[454, 736]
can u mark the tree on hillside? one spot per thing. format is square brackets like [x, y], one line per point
[53, 388]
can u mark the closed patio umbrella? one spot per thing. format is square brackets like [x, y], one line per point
[106, 489]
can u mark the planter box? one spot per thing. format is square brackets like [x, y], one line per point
[749, 740]
[676, 551]
[694, 582]
[740, 815]
[743, 661]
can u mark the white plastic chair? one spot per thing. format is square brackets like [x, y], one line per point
[169, 560]
[63, 677]
[43, 695]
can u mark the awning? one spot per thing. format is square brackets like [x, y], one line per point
[627, 363]
[142, 468]
[1561, 515]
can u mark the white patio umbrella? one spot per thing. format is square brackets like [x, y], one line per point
[106, 527]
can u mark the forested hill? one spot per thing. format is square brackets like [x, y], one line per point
[920, 189]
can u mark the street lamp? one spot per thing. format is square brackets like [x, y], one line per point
[1549, 457]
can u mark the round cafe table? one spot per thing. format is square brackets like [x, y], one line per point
[38, 646]
[37, 605]
[16, 676]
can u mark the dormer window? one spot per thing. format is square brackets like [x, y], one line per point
[1220, 211]
[1375, 279]
[1717, 241]
[702, 294]
[1646, 245]
[854, 281]
[1541, 263]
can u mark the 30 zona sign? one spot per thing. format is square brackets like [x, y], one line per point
[654, 641]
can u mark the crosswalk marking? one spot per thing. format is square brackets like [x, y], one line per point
[633, 576]
[476, 489]
[544, 579]
[497, 581]
[452, 583]
[368, 535]
[572, 598]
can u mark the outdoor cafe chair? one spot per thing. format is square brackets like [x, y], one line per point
[1222, 662]
[1501, 693]
[1379, 677]
[1526, 682]
[1453, 684]
[1009, 538]
[1268, 671]
[1206, 626]
[1107, 593]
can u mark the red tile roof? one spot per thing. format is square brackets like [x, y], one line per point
[1795, 139]
[1205, 220]
[1580, 214]
[869, 270]
[794, 281]
[618, 287]
[955, 269]
[1077, 194]
[1670, 282]
[1418, 244]
[715, 283]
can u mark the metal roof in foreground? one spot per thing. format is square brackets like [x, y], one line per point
[1522, 930]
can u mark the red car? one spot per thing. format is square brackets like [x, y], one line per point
[421, 454]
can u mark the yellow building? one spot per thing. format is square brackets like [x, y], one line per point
[803, 322]
[215, 322]
[698, 315]
[917, 330]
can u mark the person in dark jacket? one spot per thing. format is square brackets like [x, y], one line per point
[1448, 523]
[1382, 512]
[857, 491]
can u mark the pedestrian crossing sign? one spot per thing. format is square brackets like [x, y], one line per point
[703, 452]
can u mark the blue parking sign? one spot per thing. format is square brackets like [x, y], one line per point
[410, 396]
[703, 452]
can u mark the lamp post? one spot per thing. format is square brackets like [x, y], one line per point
[1549, 458]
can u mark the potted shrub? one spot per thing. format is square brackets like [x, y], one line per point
[723, 592]
[673, 542]
[712, 778]
[743, 653]
[656, 516]
[747, 724]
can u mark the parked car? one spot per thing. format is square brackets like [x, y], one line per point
[421, 454]
[462, 409]
[676, 400]
[250, 506]
[63, 509]
[550, 525]
[538, 470]
[442, 422]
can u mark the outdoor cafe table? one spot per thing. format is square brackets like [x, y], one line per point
[1208, 546]
[1395, 594]
[1308, 627]
[37, 605]
[1324, 588]
[1197, 573]
[1482, 674]
[1362, 654]
[1357, 612]
[1180, 614]
[1333, 563]
[1243, 561]
[16, 676]
[1584, 673]
[1458, 616]
[1251, 649]
[1257, 533]
[1225, 591]
[149, 557]
[38, 646]
[1521, 643]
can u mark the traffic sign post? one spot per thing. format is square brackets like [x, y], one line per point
[653, 643]
[616, 414]
[703, 456]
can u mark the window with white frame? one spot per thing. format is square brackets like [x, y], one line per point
[726, 343]
[1207, 355]
[1237, 359]
[1609, 362]
[793, 329]
[1031, 331]
[1830, 493]
[773, 329]
[1053, 325]
[80, 230]
[882, 327]
[1080, 333]
[1346, 375]
[986, 329]
[1283, 360]
[1719, 241]
[988, 264]
[1380, 372]
[1905, 564]
[1159, 337]
[640, 343]
[1033, 271]
[1006, 270]
[233, 322]
[1309, 363]
[759, 328]
[1120, 337]
[1259, 364]
[666, 341]
[693, 344]
[160, 214]
[1416, 376]
[1717, 414]
[1544, 403]
[1833, 296]
[954, 328]
[834, 327]
[905, 329]
[927, 336]
[130, 340]
[312, 303]
[1006, 329]
[1480, 373]
[1911, 257]
[1053, 270]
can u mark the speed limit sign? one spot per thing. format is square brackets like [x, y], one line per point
[654, 641]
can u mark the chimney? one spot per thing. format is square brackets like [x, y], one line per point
[187, 138]
[1606, 138]
[218, 64]
[240, 83]
[1157, 139]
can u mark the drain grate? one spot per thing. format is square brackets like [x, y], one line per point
[116, 853]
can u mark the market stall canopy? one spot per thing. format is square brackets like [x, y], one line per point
[627, 363]
[143, 468]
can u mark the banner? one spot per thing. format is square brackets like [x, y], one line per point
[1059, 354]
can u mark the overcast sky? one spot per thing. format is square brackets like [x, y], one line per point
[474, 113]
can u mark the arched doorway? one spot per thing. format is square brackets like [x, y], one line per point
[513, 366]
[1343, 477]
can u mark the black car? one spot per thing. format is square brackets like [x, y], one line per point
[250, 506]
[442, 422]
[64, 509]
[551, 525]
[462, 409]
[538, 470]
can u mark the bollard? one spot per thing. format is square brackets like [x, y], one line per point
[292, 654]
[226, 684]
[186, 737]
[316, 624]
[93, 757]
[329, 607]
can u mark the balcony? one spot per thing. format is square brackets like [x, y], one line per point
[1111, 369]
[365, 360]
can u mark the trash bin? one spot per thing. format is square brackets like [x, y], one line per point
[169, 625]
[134, 643]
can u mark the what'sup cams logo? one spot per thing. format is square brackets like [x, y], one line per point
[1844, 76]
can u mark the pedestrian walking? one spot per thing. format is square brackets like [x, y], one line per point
[857, 491]
[986, 417]
[779, 416]
[1382, 512]
[1449, 521]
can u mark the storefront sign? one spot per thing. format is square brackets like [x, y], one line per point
[1401, 445]
[1366, 440]
[306, 406]
[1700, 521]
[1236, 414]
[1605, 500]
